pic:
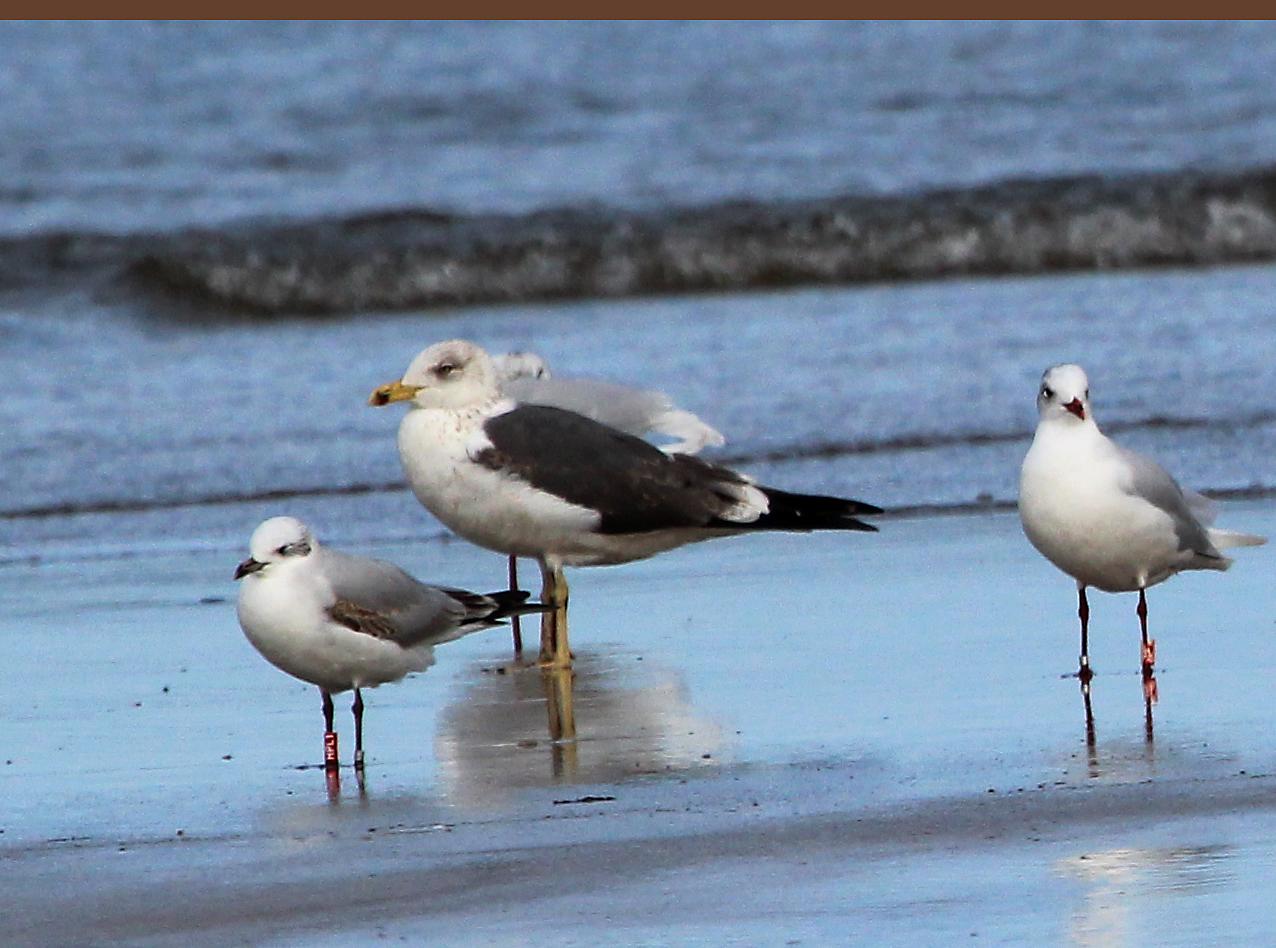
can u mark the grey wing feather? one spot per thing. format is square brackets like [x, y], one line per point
[631, 410]
[375, 596]
[1153, 483]
[1204, 509]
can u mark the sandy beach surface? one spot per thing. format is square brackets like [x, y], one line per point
[785, 739]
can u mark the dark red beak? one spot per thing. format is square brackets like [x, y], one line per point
[1076, 408]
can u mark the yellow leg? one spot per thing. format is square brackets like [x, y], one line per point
[559, 684]
[554, 648]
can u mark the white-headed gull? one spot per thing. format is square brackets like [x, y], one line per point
[525, 377]
[340, 621]
[1106, 516]
[538, 481]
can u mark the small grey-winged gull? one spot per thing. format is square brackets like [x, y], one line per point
[1106, 516]
[340, 621]
[525, 377]
[538, 481]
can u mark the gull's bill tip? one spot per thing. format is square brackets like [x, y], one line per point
[392, 392]
[248, 566]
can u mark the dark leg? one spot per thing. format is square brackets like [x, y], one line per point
[1084, 672]
[515, 624]
[1089, 714]
[330, 758]
[357, 708]
[1149, 699]
[1083, 612]
[1149, 645]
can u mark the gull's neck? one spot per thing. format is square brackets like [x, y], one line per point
[493, 403]
[1070, 430]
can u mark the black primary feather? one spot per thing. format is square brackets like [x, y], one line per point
[634, 486]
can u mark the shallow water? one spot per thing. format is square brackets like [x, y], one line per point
[910, 686]
[906, 395]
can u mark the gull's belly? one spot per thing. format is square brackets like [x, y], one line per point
[505, 514]
[300, 640]
[1099, 535]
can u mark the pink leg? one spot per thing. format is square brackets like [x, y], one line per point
[1149, 645]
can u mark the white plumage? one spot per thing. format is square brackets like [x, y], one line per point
[1105, 515]
[525, 377]
[542, 481]
[344, 622]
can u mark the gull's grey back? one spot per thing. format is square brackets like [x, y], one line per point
[1153, 483]
[631, 410]
[421, 614]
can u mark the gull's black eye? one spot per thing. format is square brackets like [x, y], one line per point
[1047, 392]
[1087, 395]
[445, 369]
[283, 550]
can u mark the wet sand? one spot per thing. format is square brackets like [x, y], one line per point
[781, 738]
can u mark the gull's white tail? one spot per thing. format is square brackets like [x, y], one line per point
[1223, 539]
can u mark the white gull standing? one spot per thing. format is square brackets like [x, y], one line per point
[340, 621]
[538, 481]
[1106, 516]
[525, 377]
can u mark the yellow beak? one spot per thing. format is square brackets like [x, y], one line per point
[392, 392]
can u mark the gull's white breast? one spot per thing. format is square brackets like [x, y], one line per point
[1078, 512]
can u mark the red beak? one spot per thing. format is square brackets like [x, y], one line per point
[1076, 408]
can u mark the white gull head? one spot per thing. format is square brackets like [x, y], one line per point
[277, 540]
[1064, 395]
[453, 375]
[520, 365]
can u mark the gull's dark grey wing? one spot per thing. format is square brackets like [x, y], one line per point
[633, 486]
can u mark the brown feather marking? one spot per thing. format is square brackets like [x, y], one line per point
[358, 619]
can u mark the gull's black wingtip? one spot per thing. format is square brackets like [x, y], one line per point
[513, 602]
[804, 512]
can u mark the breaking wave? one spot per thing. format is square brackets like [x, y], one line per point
[418, 259]
[422, 258]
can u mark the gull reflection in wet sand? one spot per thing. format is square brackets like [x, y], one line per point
[1151, 694]
[333, 779]
[1116, 879]
[609, 717]
[1091, 732]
